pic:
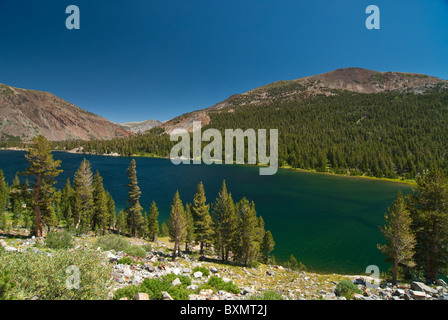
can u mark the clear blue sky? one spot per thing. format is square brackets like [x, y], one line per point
[143, 59]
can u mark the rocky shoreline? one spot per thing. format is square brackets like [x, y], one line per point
[289, 284]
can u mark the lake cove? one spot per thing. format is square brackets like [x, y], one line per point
[329, 223]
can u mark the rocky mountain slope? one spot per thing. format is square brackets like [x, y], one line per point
[25, 114]
[141, 126]
[348, 79]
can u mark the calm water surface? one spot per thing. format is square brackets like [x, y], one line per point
[329, 223]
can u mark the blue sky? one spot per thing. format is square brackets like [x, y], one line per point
[143, 59]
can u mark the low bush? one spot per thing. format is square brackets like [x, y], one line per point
[112, 242]
[147, 247]
[5, 285]
[154, 288]
[59, 240]
[125, 260]
[268, 295]
[43, 277]
[219, 284]
[135, 251]
[346, 288]
[205, 271]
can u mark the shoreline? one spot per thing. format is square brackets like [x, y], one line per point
[411, 182]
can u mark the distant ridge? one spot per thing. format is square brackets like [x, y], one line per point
[348, 79]
[141, 126]
[25, 114]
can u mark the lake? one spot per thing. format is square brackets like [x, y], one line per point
[329, 223]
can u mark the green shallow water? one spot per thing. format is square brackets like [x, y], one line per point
[329, 223]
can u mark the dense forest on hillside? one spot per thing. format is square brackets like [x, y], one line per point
[383, 134]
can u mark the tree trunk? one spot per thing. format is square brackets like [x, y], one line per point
[37, 212]
[395, 272]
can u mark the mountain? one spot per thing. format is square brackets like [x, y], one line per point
[328, 84]
[25, 114]
[141, 126]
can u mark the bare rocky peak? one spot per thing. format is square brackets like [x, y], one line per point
[25, 114]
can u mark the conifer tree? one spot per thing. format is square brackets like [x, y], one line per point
[44, 168]
[82, 206]
[399, 236]
[66, 198]
[4, 194]
[429, 213]
[122, 225]
[268, 245]
[100, 218]
[202, 220]
[164, 231]
[111, 210]
[225, 221]
[248, 232]
[190, 232]
[177, 224]
[153, 223]
[135, 217]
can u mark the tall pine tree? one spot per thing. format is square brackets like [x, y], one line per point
[429, 213]
[399, 236]
[44, 169]
[225, 222]
[135, 217]
[82, 204]
[177, 224]
[100, 218]
[153, 222]
[202, 220]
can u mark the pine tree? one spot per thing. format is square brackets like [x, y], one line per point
[164, 231]
[190, 232]
[400, 239]
[111, 210]
[225, 221]
[82, 204]
[177, 224]
[248, 245]
[4, 194]
[202, 220]
[153, 223]
[66, 198]
[429, 213]
[44, 168]
[268, 245]
[135, 216]
[122, 225]
[100, 218]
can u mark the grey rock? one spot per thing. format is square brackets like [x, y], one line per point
[175, 282]
[213, 270]
[166, 296]
[197, 275]
[420, 286]
[186, 270]
[141, 296]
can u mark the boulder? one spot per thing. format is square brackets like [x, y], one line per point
[420, 286]
[176, 271]
[418, 295]
[166, 296]
[176, 282]
[186, 270]
[141, 296]
[197, 275]
[213, 270]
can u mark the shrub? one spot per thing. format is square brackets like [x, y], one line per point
[346, 289]
[268, 295]
[5, 285]
[219, 284]
[154, 288]
[112, 242]
[44, 277]
[205, 271]
[59, 240]
[125, 260]
[147, 247]
[135, 251]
